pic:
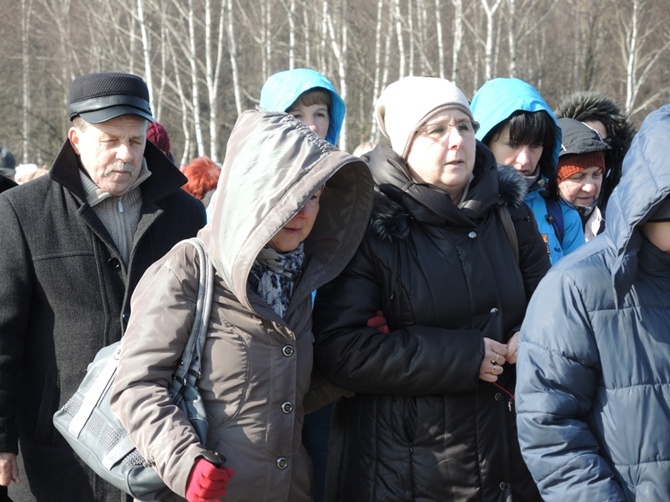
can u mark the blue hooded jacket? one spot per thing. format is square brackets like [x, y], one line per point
[495, 102]
[282, 89]
[593, 371]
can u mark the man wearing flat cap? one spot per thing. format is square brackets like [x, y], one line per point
[74, 245]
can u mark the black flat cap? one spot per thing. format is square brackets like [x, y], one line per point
[98, 97]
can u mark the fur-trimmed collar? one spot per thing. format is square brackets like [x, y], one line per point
[390, 220]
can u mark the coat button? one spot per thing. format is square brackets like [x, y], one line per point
[114, 263]
[282, 463]
[472, 235]
[494, 311]
[504, 486]
[287, 350]
[287, 407]
[498, 396]
[125, 317]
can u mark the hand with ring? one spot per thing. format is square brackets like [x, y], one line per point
[494, 357]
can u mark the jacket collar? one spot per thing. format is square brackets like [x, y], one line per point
[165, 176]
[399, 200]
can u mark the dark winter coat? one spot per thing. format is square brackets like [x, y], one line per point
[594, 356]
[423, 426]
[64, 294]
[6, 183]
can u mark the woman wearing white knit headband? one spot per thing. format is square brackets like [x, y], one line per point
[450, 259]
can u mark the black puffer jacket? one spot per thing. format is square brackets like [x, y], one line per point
[422, 425]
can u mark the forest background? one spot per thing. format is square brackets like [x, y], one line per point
[206, 60]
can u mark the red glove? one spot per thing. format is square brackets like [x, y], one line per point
[379, 322]
[207, 482]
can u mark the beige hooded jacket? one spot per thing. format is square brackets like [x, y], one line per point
[256, 365]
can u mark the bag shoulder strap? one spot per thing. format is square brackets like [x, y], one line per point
[555, 217]
[510, 230]
[190, 364]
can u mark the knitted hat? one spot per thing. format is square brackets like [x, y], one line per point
[159, 136]
[7, 162]
[98, 97]
[572, 164]
[581, 147]
[407, 103]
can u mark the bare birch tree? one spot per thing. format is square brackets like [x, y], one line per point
[640, 53]
[511, 36]
[308, 38]
[421, 33]
[402, 59]
[195, 91]
[183, 104]
[233, 51]
[440, 39]
[163, 77]
[146, 50]
[339, 48]
[410, 31]
[291, 39]
[203, 59]
[377, 79]
[26, 12]
[214, 34]
[457, 39]
[490, 11]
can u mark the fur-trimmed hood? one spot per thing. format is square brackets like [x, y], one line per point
[398, 199]
[592, 106]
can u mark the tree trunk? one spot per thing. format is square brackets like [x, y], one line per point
[376, 85]
[511, 37]
[488, 51]
[146, 53]
[232, 48]
[339, 51]
[195, 92]
[402, 60]
[26, 11]
[458, 37]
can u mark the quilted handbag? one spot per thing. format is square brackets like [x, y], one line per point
[97, 436]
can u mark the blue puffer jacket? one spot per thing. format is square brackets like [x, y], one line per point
[594, 358]
[495, 102]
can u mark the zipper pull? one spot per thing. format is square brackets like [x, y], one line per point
[120, 204]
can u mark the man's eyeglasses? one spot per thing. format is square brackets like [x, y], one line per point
[442, 130]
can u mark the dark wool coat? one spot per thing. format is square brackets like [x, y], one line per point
[64, 294]
[6, 183]
[423, 426]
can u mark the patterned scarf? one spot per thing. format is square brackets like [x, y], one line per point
[274, 274]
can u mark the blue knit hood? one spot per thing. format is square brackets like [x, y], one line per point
[499, 98]
[282, 89]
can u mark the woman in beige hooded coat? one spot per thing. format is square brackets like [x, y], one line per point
[257, 360]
